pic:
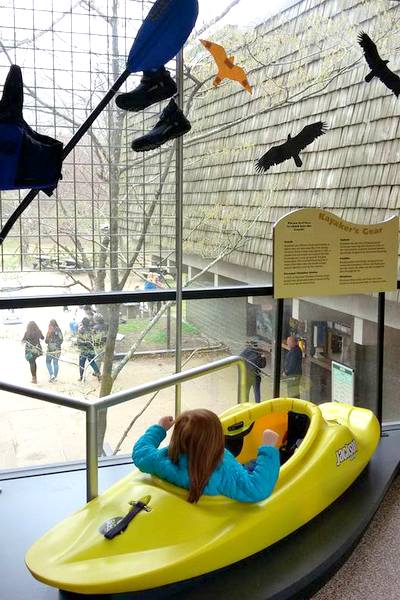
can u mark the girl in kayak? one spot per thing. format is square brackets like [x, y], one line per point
[197, 460]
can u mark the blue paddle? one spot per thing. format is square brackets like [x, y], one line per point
[162, 34]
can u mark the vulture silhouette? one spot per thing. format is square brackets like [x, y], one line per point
[378, 66]
[226, 67]
[291, 148]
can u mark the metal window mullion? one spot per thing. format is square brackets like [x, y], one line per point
[380, 356]
[179, 237]
[73, 155]
[55, 135]
[110, 127]
[92, 195]
[36, 126]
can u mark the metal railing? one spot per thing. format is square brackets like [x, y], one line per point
[92, 407]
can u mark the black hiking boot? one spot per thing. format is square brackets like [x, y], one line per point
[154, 87]
[172, 124]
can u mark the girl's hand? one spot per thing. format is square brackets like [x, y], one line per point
[270, 438]
[166, 422]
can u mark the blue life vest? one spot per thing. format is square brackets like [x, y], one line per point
[27, 158]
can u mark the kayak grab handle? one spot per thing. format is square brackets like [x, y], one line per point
[110, 529]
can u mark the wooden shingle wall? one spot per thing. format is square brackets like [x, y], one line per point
[352, 170]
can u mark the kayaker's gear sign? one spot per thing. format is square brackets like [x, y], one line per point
[27, 158]
[113, 527]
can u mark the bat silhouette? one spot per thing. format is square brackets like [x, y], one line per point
[226, 67]
[291, 148]
[378, 66]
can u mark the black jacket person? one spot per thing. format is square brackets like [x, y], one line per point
[255, 360]
[292, 367]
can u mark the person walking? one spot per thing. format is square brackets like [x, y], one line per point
[293, 367]
[33, 347]
[255, 359]
[100, 331]
[54, 339]
[86, 349]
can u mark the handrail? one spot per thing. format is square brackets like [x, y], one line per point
[92, 407]
[170, 380]
[51, 397]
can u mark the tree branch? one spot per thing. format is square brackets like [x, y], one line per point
[38, 35]
[215, 20]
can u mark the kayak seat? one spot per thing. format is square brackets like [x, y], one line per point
[298, 425]
[251, 442]
[291, 427]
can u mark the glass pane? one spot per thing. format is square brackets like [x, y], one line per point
[37, 433]
[318, 332]
[391, 391]
[64, 350]
[103, 225]
[226, 327]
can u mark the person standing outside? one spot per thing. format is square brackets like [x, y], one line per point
[150, 284]
[255, 359]
[100, 331]
[160, 285]
[293, 367]
[86, 349]
[33, 347]
[54, 339]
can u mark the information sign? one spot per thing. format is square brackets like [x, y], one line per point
[342, 378]
[316, 253]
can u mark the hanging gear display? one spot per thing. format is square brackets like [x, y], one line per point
[27, 158]
[161, 36]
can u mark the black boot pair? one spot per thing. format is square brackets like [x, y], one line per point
[154, 87]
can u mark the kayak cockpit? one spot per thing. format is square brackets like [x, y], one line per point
[297, 423]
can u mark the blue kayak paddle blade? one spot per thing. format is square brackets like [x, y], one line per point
[162, 34]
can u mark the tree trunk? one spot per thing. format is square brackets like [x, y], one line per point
[107, 381]
[115, 127]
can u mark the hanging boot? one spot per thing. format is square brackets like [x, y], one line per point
[172, 124]
[154, 86]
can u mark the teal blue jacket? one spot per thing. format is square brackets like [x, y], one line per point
[229, 479]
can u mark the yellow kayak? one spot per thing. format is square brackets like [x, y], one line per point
[325, 447]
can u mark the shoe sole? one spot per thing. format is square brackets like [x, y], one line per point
[153, 146]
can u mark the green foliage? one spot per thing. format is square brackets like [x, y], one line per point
[158, 335]
[190, 329]
[133, 326]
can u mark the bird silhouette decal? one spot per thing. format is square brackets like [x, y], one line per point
[226, 67]
[291, 148]
[378, 66]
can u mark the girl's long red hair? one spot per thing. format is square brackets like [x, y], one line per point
[198, 434]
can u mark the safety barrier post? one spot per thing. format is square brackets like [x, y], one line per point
[92, 477]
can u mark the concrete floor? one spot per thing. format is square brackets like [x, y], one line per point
[373, 570]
